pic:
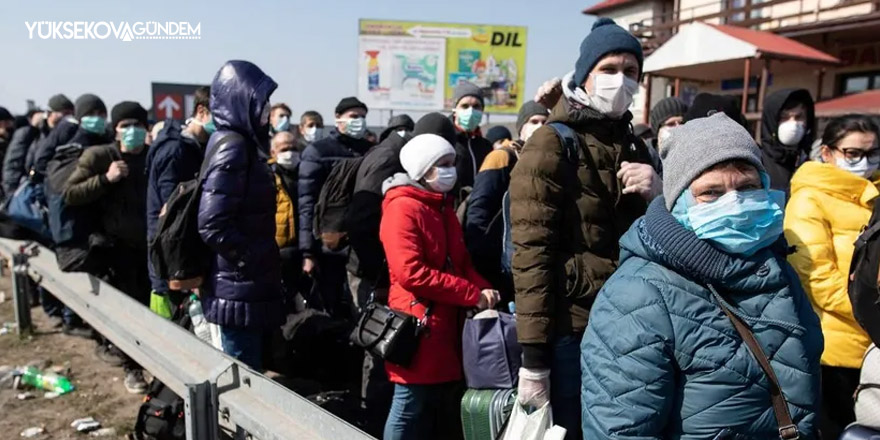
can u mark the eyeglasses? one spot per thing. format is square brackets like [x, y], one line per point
[853, 156]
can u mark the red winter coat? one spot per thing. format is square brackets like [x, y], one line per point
[419, 230]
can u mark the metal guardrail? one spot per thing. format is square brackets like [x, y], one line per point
[213, 385]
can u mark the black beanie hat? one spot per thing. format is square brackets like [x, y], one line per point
[397, 122]
[498, 133]
[707, 104]
[606, 37]
[5, 115]
[529, 109]
[128, 110]
[349, 103]
[60, 103]
[88, 103]
[665, 109]
[464, 89]
[436, 123]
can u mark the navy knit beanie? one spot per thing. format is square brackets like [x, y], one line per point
[606, 37]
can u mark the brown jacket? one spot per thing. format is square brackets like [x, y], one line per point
[566, 222]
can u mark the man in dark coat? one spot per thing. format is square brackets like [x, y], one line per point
[788, 128]
[111, 180]
[22, 150]
[175, 156]
[471, 148]
[348, 141]
[242, 294]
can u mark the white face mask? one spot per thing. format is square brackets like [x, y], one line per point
[790, 133]
[401, 133]
[445, 180]
[611, 95]
[285, 159]
[528, 130]
[861, 168]
[310, 134]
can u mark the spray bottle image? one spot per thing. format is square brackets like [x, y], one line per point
[373, 70]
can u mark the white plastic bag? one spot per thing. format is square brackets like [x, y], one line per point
[535, 426]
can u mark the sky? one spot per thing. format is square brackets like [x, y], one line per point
[308, 47]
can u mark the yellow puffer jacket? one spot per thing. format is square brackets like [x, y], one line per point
[285, 217]
[826, 212]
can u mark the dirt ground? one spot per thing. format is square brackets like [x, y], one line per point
[99, 391]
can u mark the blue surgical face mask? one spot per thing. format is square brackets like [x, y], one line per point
[93, 124]
[282, 124]
[468, 119]
[354, 127]
[739, 222]
[133, 137]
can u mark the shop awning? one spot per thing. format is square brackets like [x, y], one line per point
[865, 102]
[701, 51]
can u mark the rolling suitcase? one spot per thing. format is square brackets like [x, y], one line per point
[484, 413]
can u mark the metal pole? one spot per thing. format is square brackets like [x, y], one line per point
[677, 87]
[762, 92]
[820, 78]
[646, 111]
[21, 293]
[747, 73]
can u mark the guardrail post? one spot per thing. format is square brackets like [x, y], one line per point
[21, 291]
[201, 411]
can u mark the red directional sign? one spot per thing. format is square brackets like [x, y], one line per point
[168, 106]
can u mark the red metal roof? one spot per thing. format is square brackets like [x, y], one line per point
[606, 5]
[864, 102]
[772, 44]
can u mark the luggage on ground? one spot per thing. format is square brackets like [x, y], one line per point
[484, 413]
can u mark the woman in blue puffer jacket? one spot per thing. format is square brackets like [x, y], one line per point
[660, 358]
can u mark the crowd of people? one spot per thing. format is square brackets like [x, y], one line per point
[666, 278]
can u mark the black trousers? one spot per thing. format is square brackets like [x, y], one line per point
[838, 386]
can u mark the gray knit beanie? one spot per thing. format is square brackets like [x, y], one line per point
[466, 88]
[664, 109]
[699, 145]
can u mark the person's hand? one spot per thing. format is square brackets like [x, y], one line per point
[641, 179]
[309, 265]
[534, 387]
[549, 93]
[118, 170]
[488, 299]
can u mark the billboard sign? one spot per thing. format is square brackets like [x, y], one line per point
[416, 65]
[173, 101]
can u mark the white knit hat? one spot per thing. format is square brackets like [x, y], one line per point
[422, 152]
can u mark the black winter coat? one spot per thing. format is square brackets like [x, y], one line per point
[781, 160]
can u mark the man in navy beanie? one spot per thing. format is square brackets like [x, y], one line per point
[568, 214]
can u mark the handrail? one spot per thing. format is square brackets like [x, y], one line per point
[213, 384]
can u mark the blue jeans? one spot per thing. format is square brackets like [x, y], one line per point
[244, 345]
[55, 308]
[565, 385]
[425, 412]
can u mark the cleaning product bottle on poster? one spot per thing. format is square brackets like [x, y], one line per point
[373, 70]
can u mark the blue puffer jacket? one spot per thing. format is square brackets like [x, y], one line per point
[660, 359]
[237, 207]
[172, 158]
[316, 164]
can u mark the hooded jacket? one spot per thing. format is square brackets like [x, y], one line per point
[781, 160]
[173, 158]
[428, 265]
[661, 360]
[237, 208]
[63, 134]
[826, 213]
[317, 162]
[365, 212]
[18, 159]
[566, 221]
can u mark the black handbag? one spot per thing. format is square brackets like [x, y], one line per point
[389, 334]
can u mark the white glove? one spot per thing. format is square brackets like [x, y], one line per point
[549, 93]
[641, 179]
[534, 387]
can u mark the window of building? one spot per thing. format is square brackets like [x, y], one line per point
[859, 82]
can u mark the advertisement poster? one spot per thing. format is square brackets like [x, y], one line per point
[401, 73]
[492, 57]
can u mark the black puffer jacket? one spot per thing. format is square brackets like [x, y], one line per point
[781, 160]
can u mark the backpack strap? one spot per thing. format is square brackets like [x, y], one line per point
[787, 428]
[570, 142]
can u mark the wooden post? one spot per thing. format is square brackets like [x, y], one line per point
[747, 73]
[677, 87]
[762, 92]
[646, 111]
